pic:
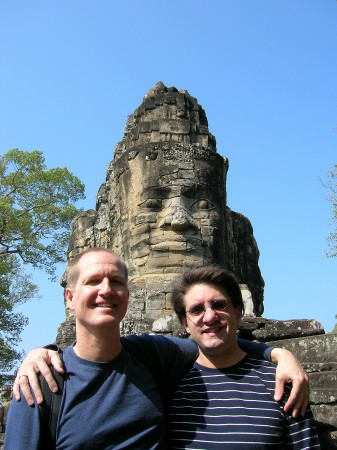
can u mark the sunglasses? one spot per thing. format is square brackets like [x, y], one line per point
[216, 305]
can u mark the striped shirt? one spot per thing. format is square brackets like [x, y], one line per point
[234, 408]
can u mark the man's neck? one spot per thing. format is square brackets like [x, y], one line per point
[220, 360]
[97, 347]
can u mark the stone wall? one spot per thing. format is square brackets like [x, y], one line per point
[317, 353]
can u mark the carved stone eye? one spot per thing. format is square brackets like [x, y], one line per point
[151, 203]
[202, 204]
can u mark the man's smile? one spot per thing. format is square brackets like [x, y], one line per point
[212, 330]
[105, 305]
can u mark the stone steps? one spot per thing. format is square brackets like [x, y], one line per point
[318, 355]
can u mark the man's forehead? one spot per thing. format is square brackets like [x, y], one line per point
[96, 260]
[200, 288]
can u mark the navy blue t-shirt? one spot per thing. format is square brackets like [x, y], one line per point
[108, 405]
[114, 404]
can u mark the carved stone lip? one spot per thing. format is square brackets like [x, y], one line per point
[175, 239]
[184, 245]
[167, 246]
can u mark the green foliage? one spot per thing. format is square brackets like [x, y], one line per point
[36, 210]
[15, 288]
[331, 186]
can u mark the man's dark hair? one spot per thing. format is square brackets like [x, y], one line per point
[73, 272]
[209, 274]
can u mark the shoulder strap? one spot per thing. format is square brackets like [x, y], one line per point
[49, 409]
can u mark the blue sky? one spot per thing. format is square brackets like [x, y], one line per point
[264, 71]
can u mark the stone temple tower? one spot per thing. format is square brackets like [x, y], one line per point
[163, 207]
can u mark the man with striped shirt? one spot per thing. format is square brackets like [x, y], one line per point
[226, 399]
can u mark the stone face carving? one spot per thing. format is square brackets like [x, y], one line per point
[163, 207]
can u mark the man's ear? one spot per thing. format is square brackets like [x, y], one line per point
[238, 313]
[184, 322]
[69, 297]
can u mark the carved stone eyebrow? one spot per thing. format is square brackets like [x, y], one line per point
[153, 203]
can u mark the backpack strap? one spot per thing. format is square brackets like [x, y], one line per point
[50, 407]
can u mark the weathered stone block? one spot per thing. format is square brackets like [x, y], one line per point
[134, 315]
[155, 303]
[172, 270]
[180, 126]
[166, 261]
[287, 329]
[140, 230]
[322, 348]
[145, 218]
[166, 324]
[145, 127]
[153, 314]
[187, 174]
[207, 231]
[137, 306]
[169, 246]
[325, 414]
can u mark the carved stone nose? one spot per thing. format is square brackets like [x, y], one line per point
[180, 220]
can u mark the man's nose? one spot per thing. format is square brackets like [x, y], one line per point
[210, 314]
[105, 287]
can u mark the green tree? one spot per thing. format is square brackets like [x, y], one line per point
[36, 210]
[331, 186]
[15, 288]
